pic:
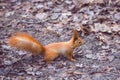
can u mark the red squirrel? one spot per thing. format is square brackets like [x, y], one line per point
[51, 51]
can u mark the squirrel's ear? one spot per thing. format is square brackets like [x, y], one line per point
[75, 34]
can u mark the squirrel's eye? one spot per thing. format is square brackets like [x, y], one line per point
[79, 42]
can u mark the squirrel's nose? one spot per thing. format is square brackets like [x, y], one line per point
[82, 42]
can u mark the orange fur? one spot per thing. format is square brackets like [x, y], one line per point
[26, 42]
[51, 51]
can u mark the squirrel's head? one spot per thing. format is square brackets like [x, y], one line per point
[76, 39]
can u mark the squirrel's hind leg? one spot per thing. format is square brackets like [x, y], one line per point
[49, 57]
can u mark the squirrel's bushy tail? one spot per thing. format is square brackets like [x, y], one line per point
[26, 42]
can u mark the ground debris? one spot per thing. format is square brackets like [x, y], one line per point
[48, 21]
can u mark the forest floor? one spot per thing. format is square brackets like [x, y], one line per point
[98, 23]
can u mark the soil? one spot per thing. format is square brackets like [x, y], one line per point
[48, 21]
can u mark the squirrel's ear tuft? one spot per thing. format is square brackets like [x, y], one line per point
[75, 34]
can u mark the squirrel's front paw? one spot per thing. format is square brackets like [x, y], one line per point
[73, 60]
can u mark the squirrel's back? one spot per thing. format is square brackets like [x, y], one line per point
[26, 42]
